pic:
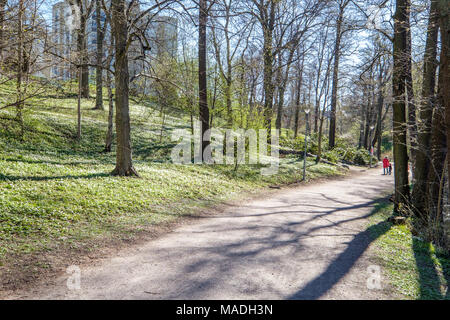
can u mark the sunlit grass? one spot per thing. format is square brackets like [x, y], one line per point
[55, 190]
[415, 268]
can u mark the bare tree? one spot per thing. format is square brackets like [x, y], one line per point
[444, 10]
[422, 155]
[202, 75]
[342, 4]
[101, 30]
[84, 8]
[124, 163]
[401, 197]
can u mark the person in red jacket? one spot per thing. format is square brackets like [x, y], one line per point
[385, 165]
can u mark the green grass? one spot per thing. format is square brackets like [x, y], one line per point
[55, 191]
[415, 268]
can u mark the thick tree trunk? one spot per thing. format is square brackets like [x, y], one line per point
[412, 125]
[124, 164]
[444, 11]
[337, 53]
[99, 67]
[422, 161]
[268, 68]
[202, 76]
[438, 151]
[439, 144]
[401, 196]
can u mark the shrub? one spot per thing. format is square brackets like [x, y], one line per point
[332, 156]
[361, 157]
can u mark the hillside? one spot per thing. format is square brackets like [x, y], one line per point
[57, 194]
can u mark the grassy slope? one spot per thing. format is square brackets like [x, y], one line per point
[416, 269]
[55, 192]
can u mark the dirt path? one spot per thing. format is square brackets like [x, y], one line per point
[302, 243]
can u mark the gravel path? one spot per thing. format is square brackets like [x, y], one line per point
[307, 242]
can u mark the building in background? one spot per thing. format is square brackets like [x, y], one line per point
[63, 42]
[161, 33]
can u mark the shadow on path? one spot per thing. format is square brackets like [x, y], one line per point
[282, 236]
[342, 264]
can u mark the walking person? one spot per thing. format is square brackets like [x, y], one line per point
[386, 165]
[390, 168]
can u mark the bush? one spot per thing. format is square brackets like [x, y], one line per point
[361, 157]
[332, 156]
[343, 151]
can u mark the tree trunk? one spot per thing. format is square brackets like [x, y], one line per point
[412, 125]
[228, 99]
[109, 134]
[316, 116]
[99, 67]
[401, 196]
[20, 67]
[319, 148]
[297, 103]
[337, 53]
[202, 76]
[278, 122]
[2, 25]
[444, 11]
[79, 104]
[422, 160]
[438, 150]
[268, 68]
[362, 120]
[124, 164]
[368, 121]
[82, 48]
[379, 130]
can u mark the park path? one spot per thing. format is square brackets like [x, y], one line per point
[307, 242]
